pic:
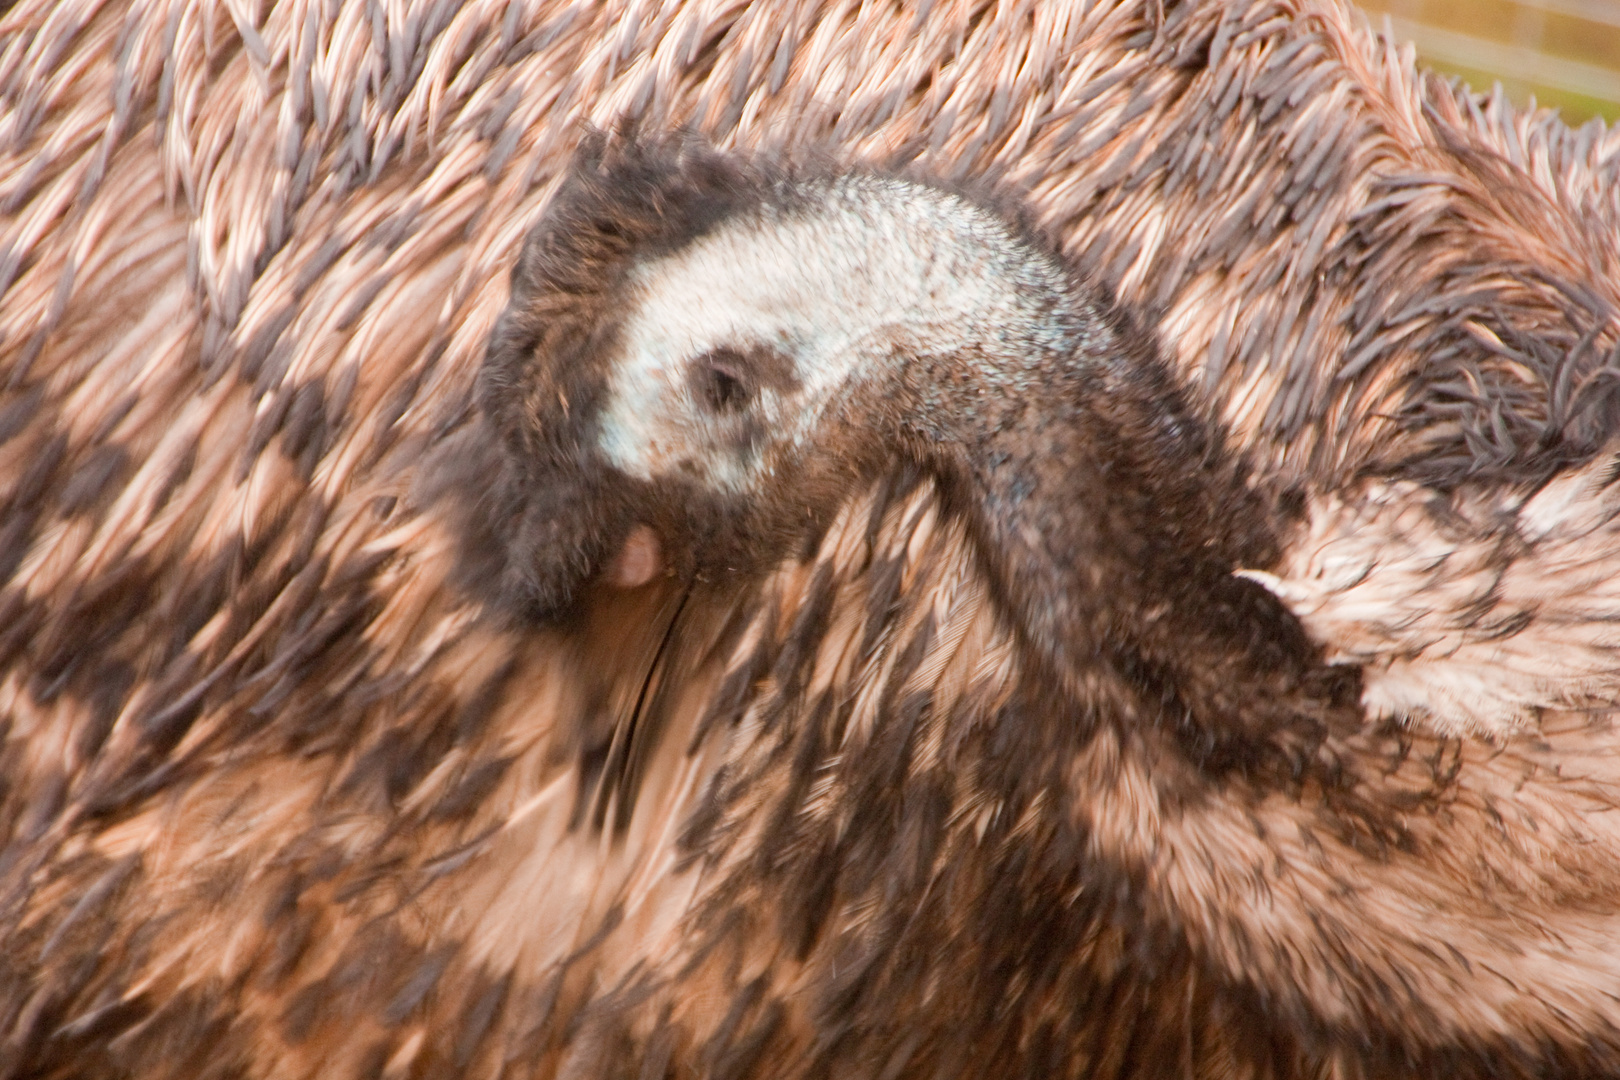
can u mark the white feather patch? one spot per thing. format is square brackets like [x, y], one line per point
[1470, 613]
[874, 269]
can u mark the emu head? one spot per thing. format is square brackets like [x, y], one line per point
[701, 356]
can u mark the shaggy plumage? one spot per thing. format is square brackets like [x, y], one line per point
[283, 798]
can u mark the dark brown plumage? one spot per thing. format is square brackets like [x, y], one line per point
[282, 799]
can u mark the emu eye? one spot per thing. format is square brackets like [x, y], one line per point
[720, 381]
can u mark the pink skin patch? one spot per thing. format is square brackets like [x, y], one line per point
[638, 561]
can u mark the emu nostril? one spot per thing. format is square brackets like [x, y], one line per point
[640, 559]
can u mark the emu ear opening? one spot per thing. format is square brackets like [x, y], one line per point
[726, 380]
[720, 381]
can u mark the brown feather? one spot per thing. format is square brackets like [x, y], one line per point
[280, 801]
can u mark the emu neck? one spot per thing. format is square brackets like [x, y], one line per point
[1111, 527]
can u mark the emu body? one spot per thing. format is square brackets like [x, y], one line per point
[282, 798]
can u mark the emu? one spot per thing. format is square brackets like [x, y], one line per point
[369, 709]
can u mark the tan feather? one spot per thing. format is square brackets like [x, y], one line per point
[280, 800]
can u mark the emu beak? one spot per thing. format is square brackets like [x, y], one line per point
[639, 560]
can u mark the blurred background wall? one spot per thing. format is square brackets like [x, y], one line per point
[1565, 53]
